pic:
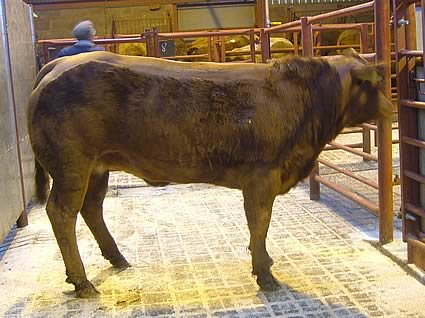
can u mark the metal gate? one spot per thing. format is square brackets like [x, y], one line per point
[411, 103]
[138, 26]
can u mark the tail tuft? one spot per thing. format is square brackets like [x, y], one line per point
[42, 183]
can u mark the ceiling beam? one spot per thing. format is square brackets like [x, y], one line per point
[105, 4]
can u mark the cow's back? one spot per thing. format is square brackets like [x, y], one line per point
[189, 113]
[155, 66]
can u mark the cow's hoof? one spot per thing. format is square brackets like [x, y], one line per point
[267, 282]
[120, 263]
[86, 290]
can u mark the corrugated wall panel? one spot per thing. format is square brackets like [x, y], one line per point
[11, 204]
[22, 56]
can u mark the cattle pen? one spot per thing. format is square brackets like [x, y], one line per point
[337, 244]
[306, 27]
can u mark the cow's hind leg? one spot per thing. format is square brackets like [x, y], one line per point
[65, 201]
[92, 213]
[259, 195]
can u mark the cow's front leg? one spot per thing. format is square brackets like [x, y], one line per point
[258, 202]
[92, 213]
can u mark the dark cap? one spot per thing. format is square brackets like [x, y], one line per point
[84, 30]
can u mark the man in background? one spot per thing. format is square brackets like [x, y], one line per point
[84, 32]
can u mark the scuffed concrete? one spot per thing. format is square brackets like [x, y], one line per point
[188, 248]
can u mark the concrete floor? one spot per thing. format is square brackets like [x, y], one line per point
[188, 248]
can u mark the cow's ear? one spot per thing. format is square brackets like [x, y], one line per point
[366, 73]
[350, 52]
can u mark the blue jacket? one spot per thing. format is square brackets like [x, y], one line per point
[81, 46]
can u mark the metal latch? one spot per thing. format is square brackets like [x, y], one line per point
[410, 217]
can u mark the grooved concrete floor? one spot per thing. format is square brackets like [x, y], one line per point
[188, 248]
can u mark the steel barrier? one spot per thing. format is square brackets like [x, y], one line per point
[411, 135]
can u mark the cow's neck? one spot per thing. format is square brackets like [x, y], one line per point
[316, 130]
[300, 161]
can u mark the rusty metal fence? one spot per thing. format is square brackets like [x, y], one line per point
[17, 73]
[411, 102]
[137, 26]
[305, 29]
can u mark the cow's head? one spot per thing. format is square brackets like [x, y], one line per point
[362, 90]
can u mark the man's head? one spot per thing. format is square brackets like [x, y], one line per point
[84, 31]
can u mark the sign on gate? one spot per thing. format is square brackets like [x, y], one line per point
[167, 48]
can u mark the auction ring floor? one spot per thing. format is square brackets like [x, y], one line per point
[188, 248]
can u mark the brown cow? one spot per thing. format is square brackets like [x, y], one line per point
[256, 127]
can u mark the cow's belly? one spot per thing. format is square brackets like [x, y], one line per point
[161, 171]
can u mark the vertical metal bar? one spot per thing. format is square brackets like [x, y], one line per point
[23, 218]
[307, 44]
[34, 40]
[216, 49]
[423, 31]
[383, 57]
[296, 45]
[265, 46]
[46, 52]
[210, 48]
[156, 42]
[222, 49]
[113, 28]
[364, 48]
[318, 42]
[307, 37]
[252, 45]
[147, 36]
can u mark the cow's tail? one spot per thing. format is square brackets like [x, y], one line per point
[42, 183]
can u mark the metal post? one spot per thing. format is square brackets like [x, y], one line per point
[216, 49]
[222, 49]
[364, 48]
[46, 53]
[307, 44]
[383, 57]
[252, 45]
[307, 37]
[265, 46]
[423, 32]
[318, 42]
[147, 36]
[210, 54]
[156, 42]
[296, 45]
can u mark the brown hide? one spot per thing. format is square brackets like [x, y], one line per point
[188, 122]
[254, 127]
